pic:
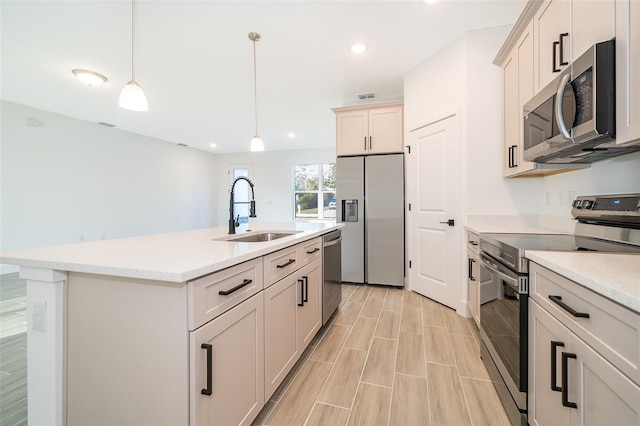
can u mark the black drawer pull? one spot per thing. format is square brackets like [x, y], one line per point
[314, 250]
[234, 289]
[301, 293]
[554, 366]
[208, 390]
[471, 278]
[284, 265]
[306, 288]
[565, 380]
[558, 301]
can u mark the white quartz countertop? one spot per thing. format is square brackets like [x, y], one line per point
[616, 276]
[496, 228]
[173, 257]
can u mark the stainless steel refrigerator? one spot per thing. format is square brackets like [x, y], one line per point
[370, 203]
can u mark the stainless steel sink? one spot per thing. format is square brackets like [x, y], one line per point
[258, 237]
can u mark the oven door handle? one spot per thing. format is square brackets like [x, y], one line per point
[513, 282]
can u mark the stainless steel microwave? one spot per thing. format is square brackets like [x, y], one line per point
[569, 120]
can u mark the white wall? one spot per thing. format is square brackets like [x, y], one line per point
[462, 77]
[71, 180]
[272, 175]
[620, 175]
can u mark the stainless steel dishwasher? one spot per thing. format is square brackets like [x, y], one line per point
[332, 268]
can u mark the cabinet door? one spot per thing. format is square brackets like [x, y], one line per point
[352, 131]
[385, 130]
[309, 319]
[551, 20]
[236, 374]
[603, 395]
[547, 339]
[281, 346]
[591, 23]
[627, 71]
[517, 90]
[510, 112]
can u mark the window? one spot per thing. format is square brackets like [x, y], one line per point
[314, 191]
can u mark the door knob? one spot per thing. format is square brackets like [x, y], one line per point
[450, 222]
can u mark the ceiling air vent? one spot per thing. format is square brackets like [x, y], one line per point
[363, 96]
[102, 123]
[182, 144]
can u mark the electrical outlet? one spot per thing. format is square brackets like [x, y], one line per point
[39, 316]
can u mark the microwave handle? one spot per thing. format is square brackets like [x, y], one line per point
[559, 114]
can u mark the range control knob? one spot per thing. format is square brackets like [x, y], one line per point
[577, 204]
[587, 204]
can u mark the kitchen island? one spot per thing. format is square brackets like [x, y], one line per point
[112, 324]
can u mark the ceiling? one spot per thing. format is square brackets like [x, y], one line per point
[194, 61]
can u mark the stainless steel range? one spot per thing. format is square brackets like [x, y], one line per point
[608, 223]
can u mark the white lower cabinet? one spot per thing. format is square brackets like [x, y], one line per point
[576, 362]
[570, 383]
[226, 368]
[293, 315]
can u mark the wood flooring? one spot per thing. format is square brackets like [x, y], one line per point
[388, 357]
[13, 351]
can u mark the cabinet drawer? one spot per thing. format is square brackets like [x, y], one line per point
[473, 241]
[279, 264]
[611, 329]
[214, 294]
[309, 251]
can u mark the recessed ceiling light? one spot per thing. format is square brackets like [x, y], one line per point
[88, 77]
[213, 145]
[291, 135]
[358, 48]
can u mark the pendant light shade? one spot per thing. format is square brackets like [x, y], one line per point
[132, 97]
[256, 142]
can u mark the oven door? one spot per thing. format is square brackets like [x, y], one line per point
[504, 323]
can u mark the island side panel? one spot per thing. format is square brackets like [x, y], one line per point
[127, 351]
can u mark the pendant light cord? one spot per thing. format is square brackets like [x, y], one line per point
[133, 40]
[255, 86]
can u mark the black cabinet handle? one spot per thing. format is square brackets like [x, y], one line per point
[301, 293]
[234, 289]
[509, 157]
[313, 251]
[555, 48]
[208, 390]
[513, 156]
[284, 265]
[565, 380]
[554, 365]
[370, 144]
[365, 143]
[306, 288]
[558, 301]
[471, 278]
[562, 37]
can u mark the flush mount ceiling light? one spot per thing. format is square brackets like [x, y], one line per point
[88, 77]
[358, 48]
[291, 135]
[132, 97]
[256, 142]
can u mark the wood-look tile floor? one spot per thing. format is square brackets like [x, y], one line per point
[13, 350]
[388, 357]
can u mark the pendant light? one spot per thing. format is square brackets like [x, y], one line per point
[256, 142]
[132, 97]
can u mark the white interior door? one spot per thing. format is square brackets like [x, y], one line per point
[434, 191]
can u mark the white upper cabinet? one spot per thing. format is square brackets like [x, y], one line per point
[565, 29]
[371, 129]
[627, 72]
[552, 31]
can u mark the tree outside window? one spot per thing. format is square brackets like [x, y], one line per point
[314, 191]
